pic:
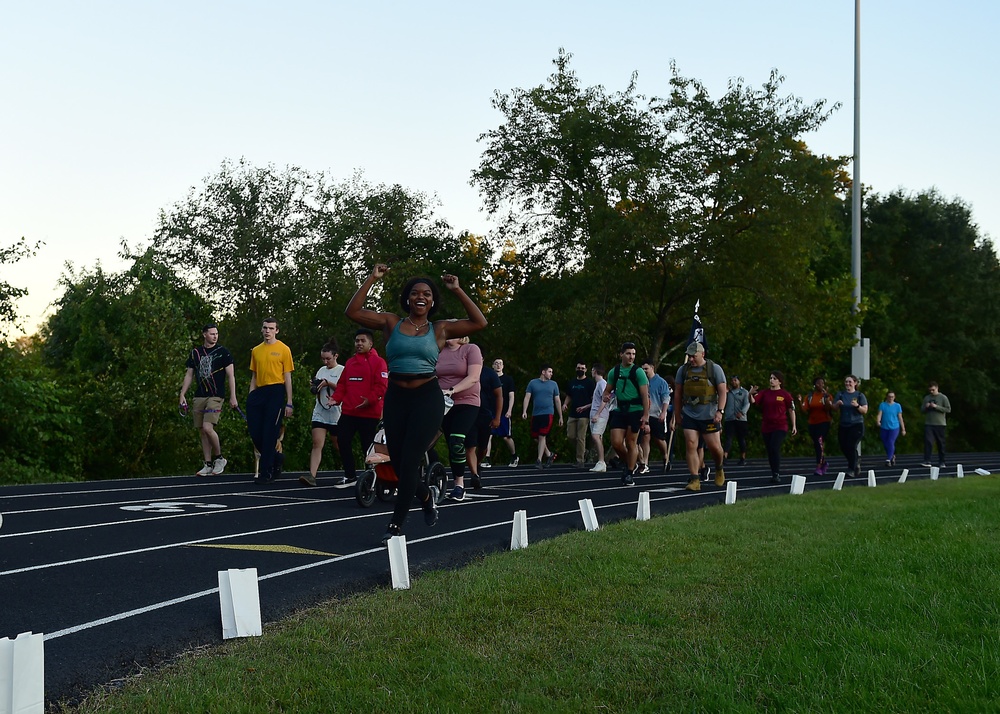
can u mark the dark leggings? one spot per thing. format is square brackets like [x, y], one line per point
[850, 440]
[347, 427]
[265, 412]
[819, 432]
[411, 419]
[457, 425]
[772, 442]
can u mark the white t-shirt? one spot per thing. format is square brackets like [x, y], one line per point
[598, 398]
[322, 411]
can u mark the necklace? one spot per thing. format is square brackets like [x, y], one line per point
[417, 327]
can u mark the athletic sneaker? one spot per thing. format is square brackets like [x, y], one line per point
[644, 468]
[218, 466]
[391, 532]
[552, 458]
[600, 467]
[705, 473]
[925, 463]
[485, 464]
[627, 479]
[205, 470]
[430, 507]
[775, 478]
[538, 464]
[456, 494]
[477, 481]
[307, 480]
[514, 462]
[743, 462]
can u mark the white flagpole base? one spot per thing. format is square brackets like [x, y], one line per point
[589, 514]
[642, 509]
[519, 533]
[239, 599]
[798, 485]
[399, 566]
[730, 492]
[902, 476]
[22, 674]
[839, 483]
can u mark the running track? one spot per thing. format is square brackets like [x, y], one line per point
[123, 575]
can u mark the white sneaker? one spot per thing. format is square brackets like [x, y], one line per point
[219, 466]
[205, 470]
[600, 466]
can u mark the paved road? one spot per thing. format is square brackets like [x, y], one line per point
[121, 575]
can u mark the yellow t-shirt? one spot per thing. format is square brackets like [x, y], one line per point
[270, 362]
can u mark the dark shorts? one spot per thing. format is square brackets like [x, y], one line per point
[657, 429]
[332, 428]
[702, 426]
[626, 421]
[504, 428]
[479, 434]
[541, 425]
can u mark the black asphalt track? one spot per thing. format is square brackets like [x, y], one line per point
[123, 575]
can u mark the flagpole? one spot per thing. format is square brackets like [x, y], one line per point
[860, 356]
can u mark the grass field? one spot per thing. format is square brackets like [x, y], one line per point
[881, 600]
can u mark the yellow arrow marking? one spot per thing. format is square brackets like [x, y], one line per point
[267, 548]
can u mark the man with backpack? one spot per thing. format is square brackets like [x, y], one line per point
[631, 417]
[699, 406]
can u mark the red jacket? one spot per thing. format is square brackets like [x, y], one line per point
[365, 376]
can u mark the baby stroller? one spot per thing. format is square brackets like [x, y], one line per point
[380, 480]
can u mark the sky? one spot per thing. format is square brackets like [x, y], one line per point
[112, 111]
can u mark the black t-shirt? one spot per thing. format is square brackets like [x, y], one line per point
[581, 394]
[507, 385]
[209, 367]
[488, 381]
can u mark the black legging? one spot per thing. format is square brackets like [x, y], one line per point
[819, 432]
[347, 427]
[850, 439]
[411, 418]
[457, 425]
[772, 443]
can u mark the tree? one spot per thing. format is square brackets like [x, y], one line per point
[9, 294]
[655, 204]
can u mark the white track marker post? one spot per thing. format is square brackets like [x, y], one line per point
[519, 534]
[798, 485]
[589, 514]
[871, 479]
[22, 674]
[730, 493]
[642, 510]
[399, 566]
[839, 483]
[902, 476]
[1, 520]
[935, 472]
[239, 598]
[982, 472]
[960, 472]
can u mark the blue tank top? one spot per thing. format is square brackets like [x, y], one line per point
[411, 354]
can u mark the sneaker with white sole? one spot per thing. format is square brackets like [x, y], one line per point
[456, 494]
[205, 470]
[219, 465]
[644, 469]
[600, 467]
[514, 462]
[486, 464]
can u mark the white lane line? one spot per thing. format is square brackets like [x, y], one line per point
[188, 497]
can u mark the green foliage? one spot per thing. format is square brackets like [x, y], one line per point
[9, 294]
[41, 438]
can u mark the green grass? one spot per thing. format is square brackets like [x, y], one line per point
[881, 600]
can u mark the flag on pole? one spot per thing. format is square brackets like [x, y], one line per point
[697, 330]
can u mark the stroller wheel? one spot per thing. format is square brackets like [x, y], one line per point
[365, 489]
[437, 476]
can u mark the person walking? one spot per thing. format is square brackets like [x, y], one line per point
[777, 407]
[414, 401]
[852, 405]
[459, 368]
[360, 392]
[325, 415]
[735, 419]
[576, 404]
[546, 394]
[700, 396]
[270, 400]
[213, 365]
[936, 407]
[889, 420]
[630, 417]
[599, 414]
[818, 406]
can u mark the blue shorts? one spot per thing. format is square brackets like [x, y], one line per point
[503, 429]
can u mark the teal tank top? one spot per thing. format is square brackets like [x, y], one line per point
[408, 354]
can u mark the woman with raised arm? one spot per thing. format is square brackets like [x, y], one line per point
[414, 402]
